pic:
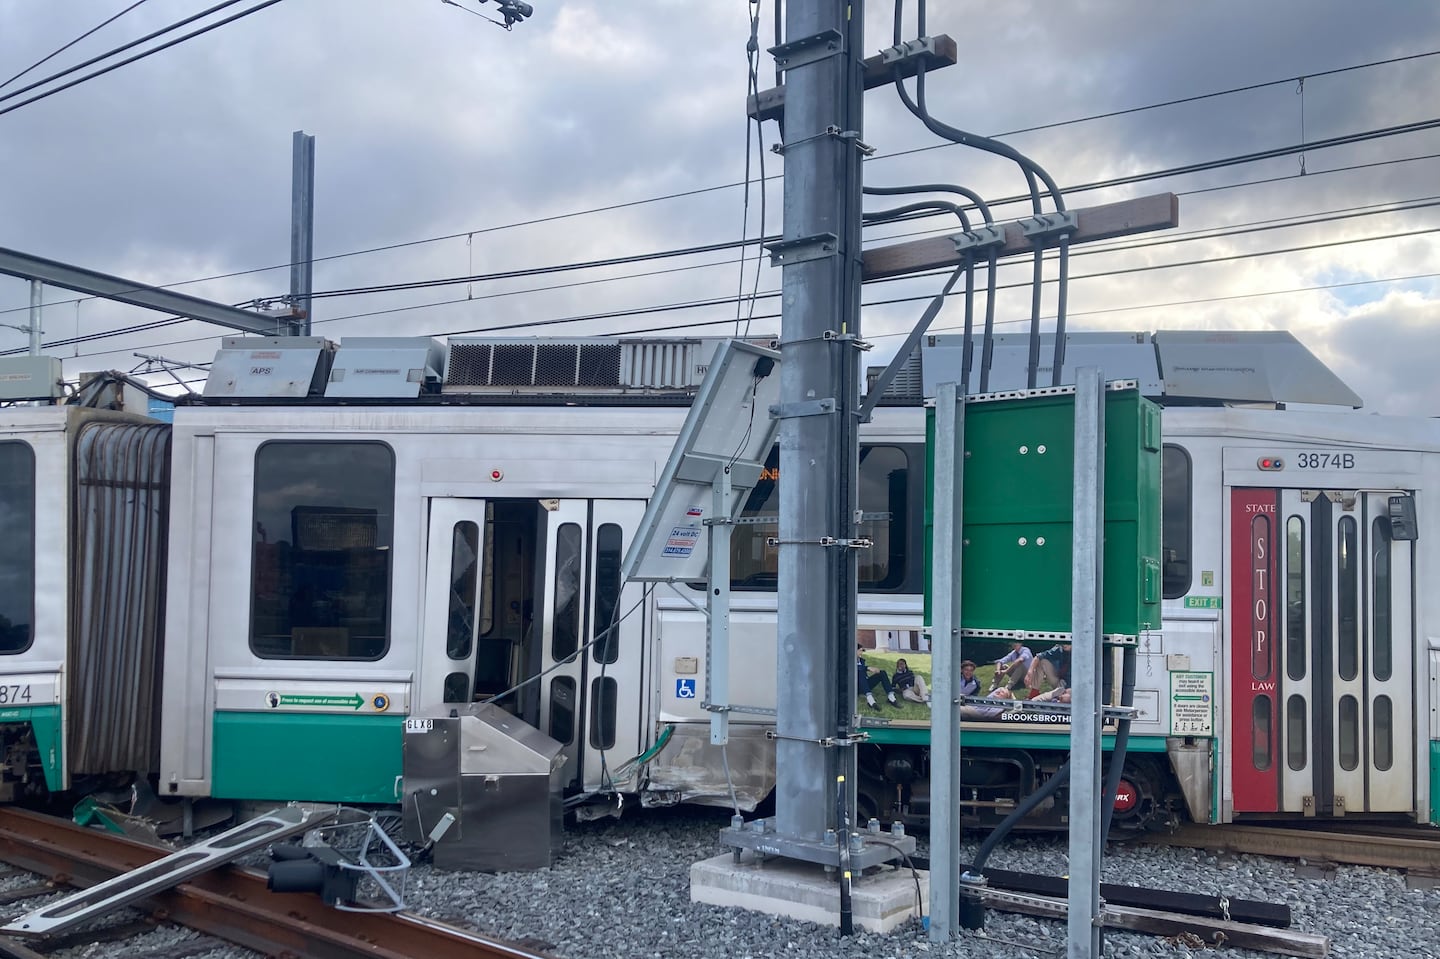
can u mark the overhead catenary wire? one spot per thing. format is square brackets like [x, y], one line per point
[1169, 235]
[61, 49]
[129, 60]
[726, 301]
[693, 304]
[627, 204]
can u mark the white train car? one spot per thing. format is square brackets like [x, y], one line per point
[337, 563]
[83, 516]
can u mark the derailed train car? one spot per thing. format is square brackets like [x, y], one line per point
[352, 540]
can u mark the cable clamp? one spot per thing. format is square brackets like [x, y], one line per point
[979, 238]
[831, 131]
[834, 335]
[1046, 225]
[827, 541]
[827, 742]
[921, 46]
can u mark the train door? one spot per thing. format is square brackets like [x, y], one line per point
[591, 653]
[454, 572]
[1321, 654]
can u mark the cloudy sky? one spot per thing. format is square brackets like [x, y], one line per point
[446, 147]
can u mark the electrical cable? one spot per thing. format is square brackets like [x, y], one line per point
[128, 60]
[55, 53]
[1032, 170]
[752, 57]
[114, 50]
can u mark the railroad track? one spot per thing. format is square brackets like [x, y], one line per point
[228, 903]
[1414, 849]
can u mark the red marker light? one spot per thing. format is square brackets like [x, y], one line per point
[497, 475]
[1271, 463]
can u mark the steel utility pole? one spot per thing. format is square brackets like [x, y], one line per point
[819, 383]
[302, 226]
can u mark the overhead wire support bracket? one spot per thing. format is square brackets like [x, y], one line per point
[803, 249]
[937, 52]
[811, 49]
[1045, 225]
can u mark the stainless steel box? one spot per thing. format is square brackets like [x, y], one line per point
[497, 778]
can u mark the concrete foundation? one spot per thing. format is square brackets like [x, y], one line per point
[880, 900]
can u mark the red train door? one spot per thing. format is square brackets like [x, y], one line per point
[1254, 674]
[1321, 652]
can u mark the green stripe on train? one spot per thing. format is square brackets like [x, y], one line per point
[320, 757]
[1435, 781]
[1012, 739]
[45, 721]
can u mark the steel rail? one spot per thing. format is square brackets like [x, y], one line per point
[1419, 852]
[233, 904]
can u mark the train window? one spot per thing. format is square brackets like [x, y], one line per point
[1380, 638]
[457, 688]
[565, 638]
[1348, 749]
[1347, 595]
[602, 712]
[892, 482]
[609, 553]
[323, 525]
[464, 552]
[1384, 731]
[1260, 733]
[1175, 521]
[1295, 598]
[1295, 746]
[17, 560]
[562, 710]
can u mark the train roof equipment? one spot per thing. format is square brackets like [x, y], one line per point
[1173, 367]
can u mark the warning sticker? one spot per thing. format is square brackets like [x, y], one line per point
[1192, 704]
[681, 541]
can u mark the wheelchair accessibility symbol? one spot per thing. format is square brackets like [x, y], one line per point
[684, 689]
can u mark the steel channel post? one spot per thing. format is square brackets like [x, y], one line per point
[1083, 921]
[945, 666]
[818, 453]
[302, 228]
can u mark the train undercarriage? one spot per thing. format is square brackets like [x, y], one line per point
[894, 785]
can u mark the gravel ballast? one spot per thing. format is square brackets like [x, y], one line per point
[621, 888]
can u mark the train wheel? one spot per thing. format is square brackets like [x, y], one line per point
[1137, 799]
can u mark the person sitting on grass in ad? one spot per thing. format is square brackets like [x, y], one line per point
[912, 685]
[1012, 668]
[867, 678]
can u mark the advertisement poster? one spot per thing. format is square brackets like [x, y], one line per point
[893, 679]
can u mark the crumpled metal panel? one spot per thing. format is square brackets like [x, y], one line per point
[122, 492]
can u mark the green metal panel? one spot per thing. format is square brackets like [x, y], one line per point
[1018, 492]
[320, 757]
[1435, 781]
[45, 722]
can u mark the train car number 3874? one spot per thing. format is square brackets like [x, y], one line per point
[1326, 461]
[14, 694]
